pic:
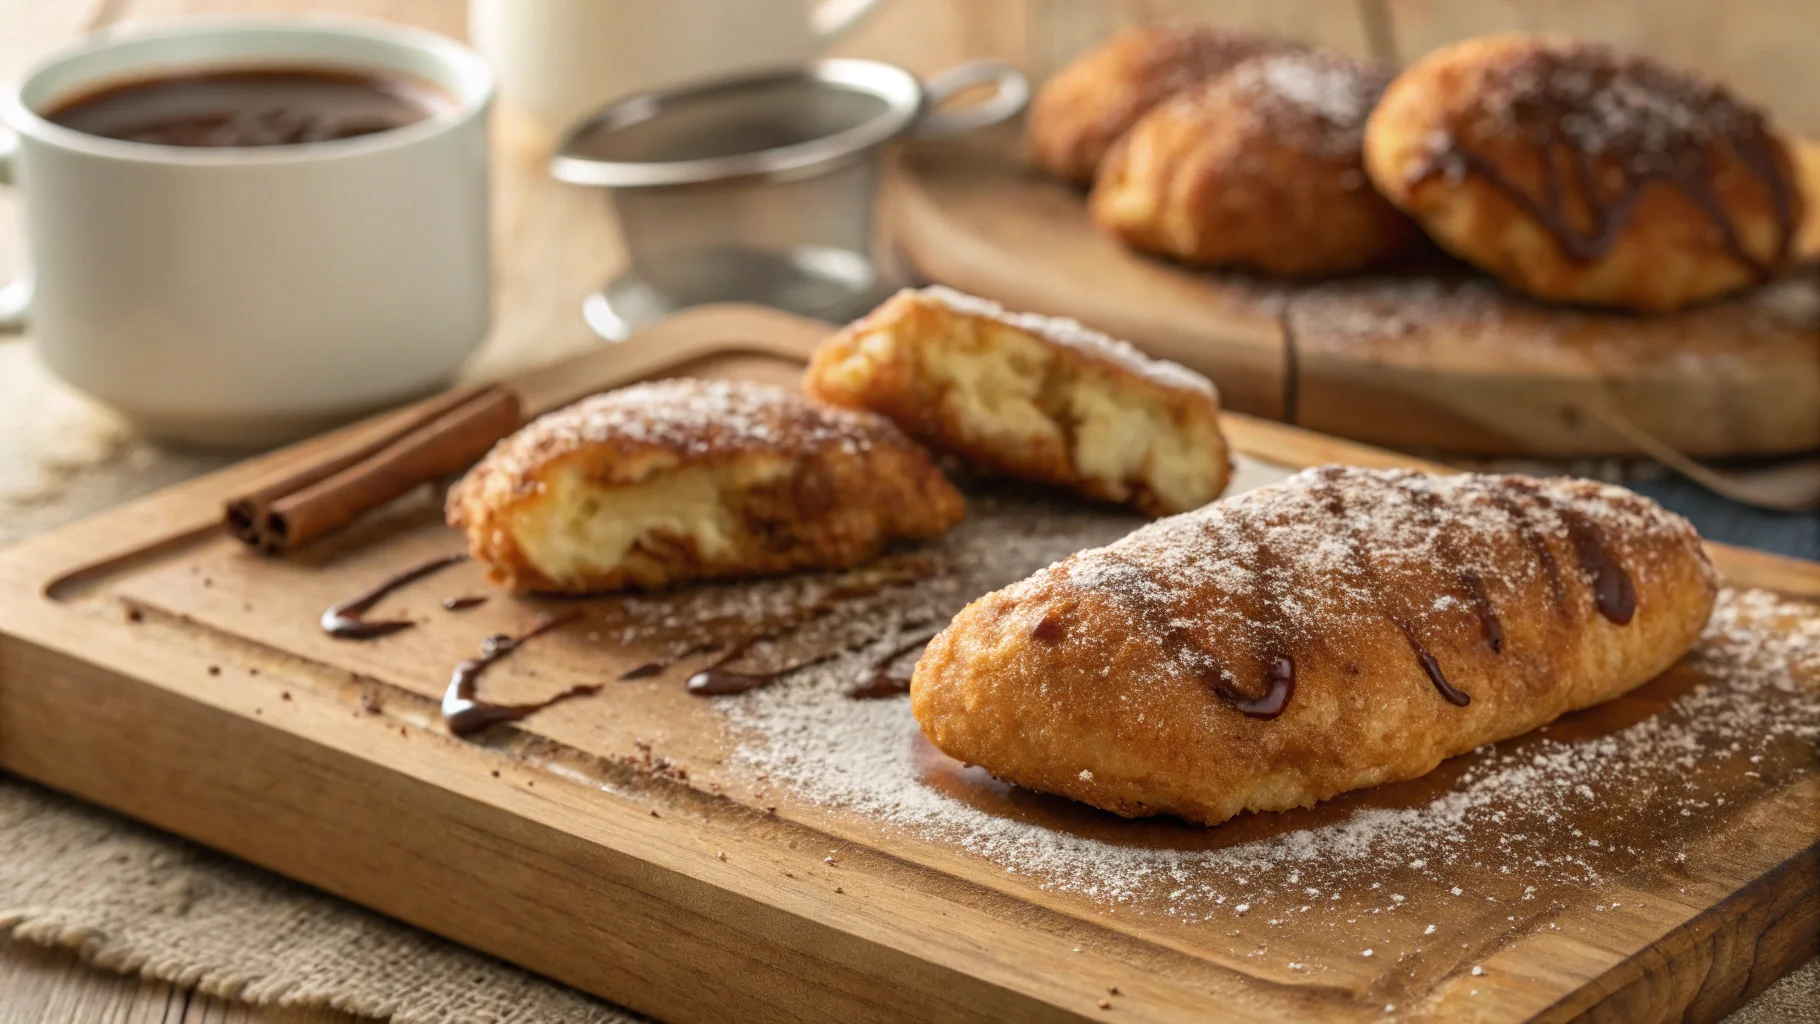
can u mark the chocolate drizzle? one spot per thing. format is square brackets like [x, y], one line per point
[464, 712]
[1477, 597]
[463, 603]
[1336, 504]
[715, 681]
[878, 681]
[879, 684]
[343, 620]
[645, 671]
[1614, 594]
[1533, 539]
[1629, 120]
[1452, 694]
[1280, 676]
[719, 681]
[1481, 606]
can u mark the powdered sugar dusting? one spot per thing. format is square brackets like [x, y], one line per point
[690, 419]
[1073, 335]
[1510, 830]
[1318, 99]
[1309, 542]
[1550, 816]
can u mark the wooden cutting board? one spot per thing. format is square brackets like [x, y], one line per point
[1437, 358]
[796, 855]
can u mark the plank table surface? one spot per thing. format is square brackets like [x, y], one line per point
[1761, 44]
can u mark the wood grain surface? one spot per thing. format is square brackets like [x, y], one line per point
[325, 761]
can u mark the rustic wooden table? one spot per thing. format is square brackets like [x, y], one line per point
[1762, 45]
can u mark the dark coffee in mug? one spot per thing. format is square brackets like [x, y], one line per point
[279, 106]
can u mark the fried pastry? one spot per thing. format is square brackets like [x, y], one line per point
[1032, 397]
[1078, 114]
[1344, 628]
[1260, 167]
[1579, 174]
[686, 479]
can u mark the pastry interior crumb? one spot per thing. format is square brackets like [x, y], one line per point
[1008, 390]
[586, 530]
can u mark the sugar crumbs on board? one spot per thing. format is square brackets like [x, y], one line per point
[1541, 818]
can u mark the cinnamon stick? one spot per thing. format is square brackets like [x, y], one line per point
[245, 515]
[445, 437]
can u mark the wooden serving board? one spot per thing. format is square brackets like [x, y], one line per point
[672, 854]
[1432, 357]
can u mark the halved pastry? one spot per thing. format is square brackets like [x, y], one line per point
[1032, 397]
[686, 479]
[1344, 628]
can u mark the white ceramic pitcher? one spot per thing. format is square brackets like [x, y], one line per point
[560, 60]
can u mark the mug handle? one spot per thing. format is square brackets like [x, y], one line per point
[15, 296]
[1008, 98]
[831, 19]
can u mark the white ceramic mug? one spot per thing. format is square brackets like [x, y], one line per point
[560, 60]
[244, 296]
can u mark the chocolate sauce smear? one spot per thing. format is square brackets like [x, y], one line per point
[661, 665]
[343, 620]
[464, 712]
[645, 671]
[879, 682]
[719, 681]
[463, 603]
[715, 681]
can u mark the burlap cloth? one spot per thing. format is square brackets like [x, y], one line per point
[135, 900]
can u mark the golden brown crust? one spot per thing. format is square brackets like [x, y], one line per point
[1078, 114]
[686, 479]
[1667, 190]
[1136, 677]
[1258, 167]
[1033, 397]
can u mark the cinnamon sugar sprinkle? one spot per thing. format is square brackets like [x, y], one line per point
[1594, 803]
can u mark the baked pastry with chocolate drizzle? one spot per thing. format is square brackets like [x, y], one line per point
[1259, 167]
[685, 479]
[1032, 397]
[1081, 110]
[1579, 174]
[1344, 628]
